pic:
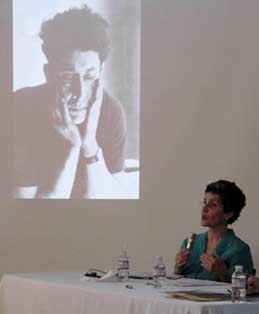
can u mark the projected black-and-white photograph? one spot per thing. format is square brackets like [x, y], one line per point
[76, 100]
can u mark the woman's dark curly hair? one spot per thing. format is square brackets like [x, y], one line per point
[232, 197]
[75, 29]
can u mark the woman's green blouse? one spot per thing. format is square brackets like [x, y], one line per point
[231, 249]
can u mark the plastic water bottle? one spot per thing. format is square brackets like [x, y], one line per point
[159, 273]
[238, 284]
[123, 266]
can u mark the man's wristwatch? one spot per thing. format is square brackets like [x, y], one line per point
[92, 159]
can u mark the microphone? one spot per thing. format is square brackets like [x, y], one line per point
[190, 240]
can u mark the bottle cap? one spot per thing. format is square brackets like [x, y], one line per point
[239, 267]
[159, 259]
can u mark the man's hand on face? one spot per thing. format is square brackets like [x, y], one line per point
[62, 121]
[89, 144]
[64, 124]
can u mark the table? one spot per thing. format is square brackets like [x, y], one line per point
[64, 293]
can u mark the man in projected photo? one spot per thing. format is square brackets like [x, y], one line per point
[69, 132]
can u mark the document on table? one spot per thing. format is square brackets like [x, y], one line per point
[188, 282]
[199, 296]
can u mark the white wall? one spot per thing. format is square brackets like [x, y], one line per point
[199, 121]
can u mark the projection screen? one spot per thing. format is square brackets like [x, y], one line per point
[76, 99]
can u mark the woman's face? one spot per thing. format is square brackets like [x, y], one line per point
[212, 214]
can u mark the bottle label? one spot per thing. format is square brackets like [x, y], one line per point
[159, 271]
[239, 283]
[123, 262]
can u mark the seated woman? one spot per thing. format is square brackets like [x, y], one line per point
[215, 253]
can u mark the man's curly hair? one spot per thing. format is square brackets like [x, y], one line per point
[75, 29]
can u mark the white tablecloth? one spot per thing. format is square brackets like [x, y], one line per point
[64, 293]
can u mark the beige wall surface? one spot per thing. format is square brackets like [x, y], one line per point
[199, 123]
